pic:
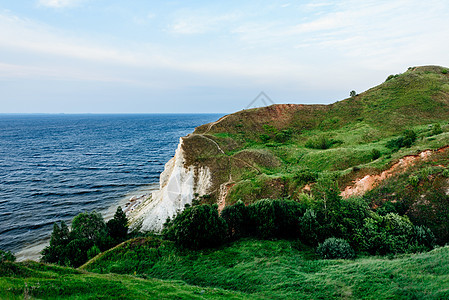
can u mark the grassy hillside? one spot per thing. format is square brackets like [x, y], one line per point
[283, 269]
[31, 280]
[264, 152]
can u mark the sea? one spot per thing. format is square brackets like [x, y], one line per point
[53, 167]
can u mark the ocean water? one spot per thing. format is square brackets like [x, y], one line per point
[53, 167]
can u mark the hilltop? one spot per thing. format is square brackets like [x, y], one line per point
[279, 151]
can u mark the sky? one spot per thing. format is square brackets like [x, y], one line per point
[142, 56]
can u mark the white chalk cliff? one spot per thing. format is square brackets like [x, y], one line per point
[178, 185]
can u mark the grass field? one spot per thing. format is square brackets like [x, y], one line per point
[285, 270]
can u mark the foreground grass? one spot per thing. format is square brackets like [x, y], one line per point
[31, 280]
[283, 269]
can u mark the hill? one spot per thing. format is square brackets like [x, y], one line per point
[280, 151]
[282, 270]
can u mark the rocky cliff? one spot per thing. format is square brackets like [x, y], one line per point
[282, 150]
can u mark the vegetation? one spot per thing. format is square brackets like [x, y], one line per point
[333, 248]
[286, 230]
[281, 269]
[89, 235]
[6, 256]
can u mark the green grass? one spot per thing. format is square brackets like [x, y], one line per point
[354, 127]
[31, 280]
[286, 270]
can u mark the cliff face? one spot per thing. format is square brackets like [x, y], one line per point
[280, 151]
[178, 185]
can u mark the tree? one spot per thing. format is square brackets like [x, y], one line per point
[118, 226]
[90, 226]
[197, 227]
[352, 93]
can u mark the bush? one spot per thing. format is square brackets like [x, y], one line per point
[320, 142]
[444, 71]
[375, 154]
[333, 248]
[265, 138]
[236, 217]
[275, 218]
[413, 180]
[309, 227]
[306, 176]
[6, 256]
[88, 236]
[197, 227]
[392, 77]
[436, 129]
[405, 140]
[385, 234]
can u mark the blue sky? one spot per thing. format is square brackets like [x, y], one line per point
[108, 56]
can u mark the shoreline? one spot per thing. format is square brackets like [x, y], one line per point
[128, 203]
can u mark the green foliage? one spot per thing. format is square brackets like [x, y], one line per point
[237, 219]
[265, 137]
[89, 226]
[319, 142]
[118, 226]
[280, 269]
[392, 77]
[89, 235]
[275, 218]
[413, 180]
[333, 248]
[389, 234]
[6, 256]
[92, 252]
[197, 227]
[444, 71]
[306, 176]
[375, 154]
[283, 136]
[407, 138]
[352, 93]
[436, 129]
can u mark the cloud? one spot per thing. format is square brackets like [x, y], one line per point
[199, 23]
[59, 3]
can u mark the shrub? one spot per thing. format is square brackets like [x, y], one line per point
[88, 236]
[309, 227]
[319, 142]
[275, 218]
[385, 234]
[6, 256]
[236, 217]
[375, 154]
[444, 71]
[405, 140]
[392, 77]
[306, 176]
[352, 93]
[265, 138]
[197, 227]
[283, 136]
[333, 248]
[413, 180]
[436, 129]
[424, 237]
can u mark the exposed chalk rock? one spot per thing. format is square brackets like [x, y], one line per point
[178, 185]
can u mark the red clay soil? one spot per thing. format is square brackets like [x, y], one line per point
[369, 182]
